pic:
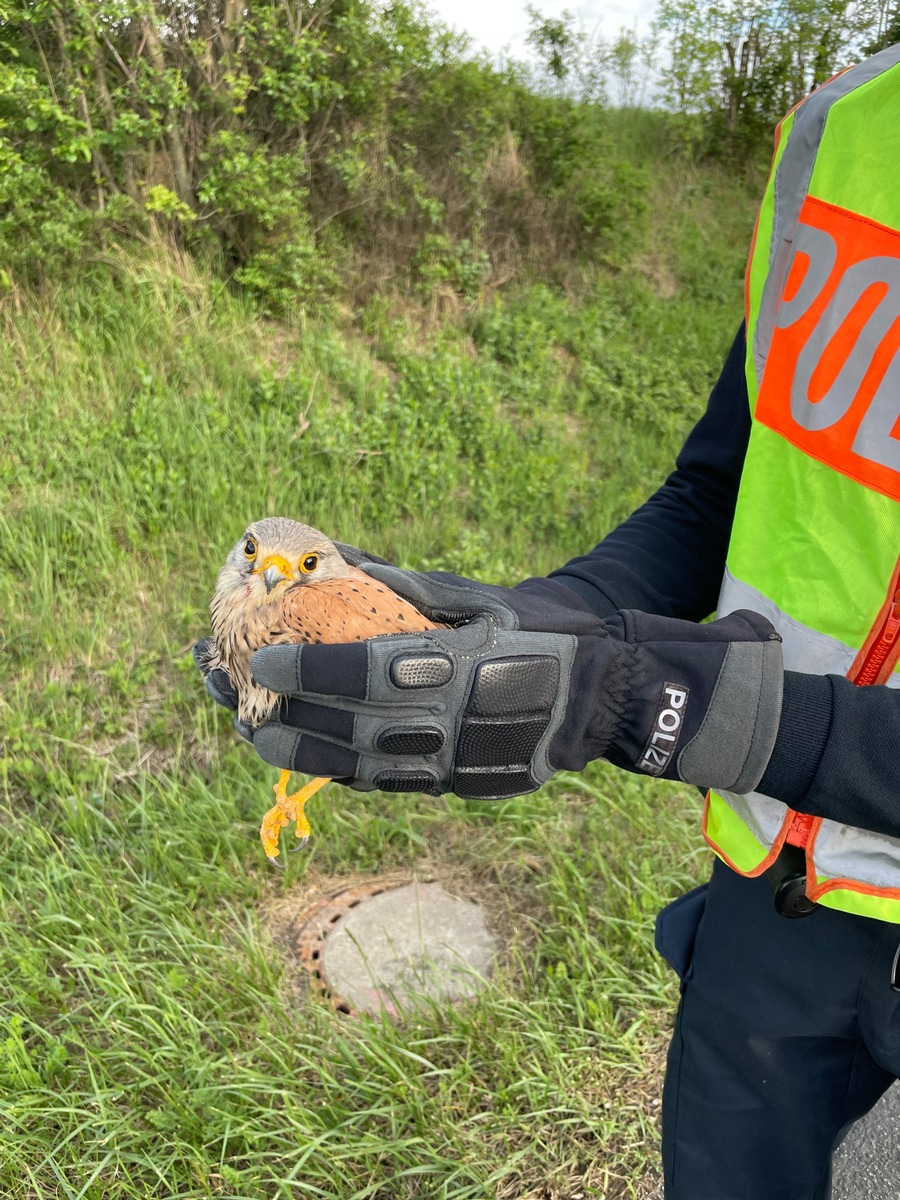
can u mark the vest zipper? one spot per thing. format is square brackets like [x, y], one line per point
[877, 656]
[863, 673]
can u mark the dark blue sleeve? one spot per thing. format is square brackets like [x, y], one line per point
[669, 555]
[835, 754]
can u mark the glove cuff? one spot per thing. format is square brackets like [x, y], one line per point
[732, 748]
[669, 698]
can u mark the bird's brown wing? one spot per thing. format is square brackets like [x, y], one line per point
[349, 609]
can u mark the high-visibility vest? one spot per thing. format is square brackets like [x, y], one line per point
[815, 545]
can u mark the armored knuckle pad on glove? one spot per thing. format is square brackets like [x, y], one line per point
[469, 710]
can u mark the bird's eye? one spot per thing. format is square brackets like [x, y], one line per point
[250, 548]
[309, 563]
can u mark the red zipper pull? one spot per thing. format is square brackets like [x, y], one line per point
[893, 621]
[799, 830]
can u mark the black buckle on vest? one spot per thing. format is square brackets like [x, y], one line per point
[787, 875]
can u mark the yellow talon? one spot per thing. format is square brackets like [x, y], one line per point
[286, 809]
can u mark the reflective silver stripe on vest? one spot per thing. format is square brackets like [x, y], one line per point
[762, 815]
[792, 183]
[844, 852]
[804, 649]
[841, 851]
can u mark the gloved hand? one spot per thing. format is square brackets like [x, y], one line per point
[217, 681]
[527, 683]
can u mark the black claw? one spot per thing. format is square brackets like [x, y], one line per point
[302, 844]
[276, 863]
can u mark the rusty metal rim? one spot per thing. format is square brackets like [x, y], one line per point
[309, 932]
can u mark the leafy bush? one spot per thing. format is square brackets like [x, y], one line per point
[293, 139]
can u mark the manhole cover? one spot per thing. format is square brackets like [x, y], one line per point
[388, 947]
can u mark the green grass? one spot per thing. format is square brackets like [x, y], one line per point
[152, 1040]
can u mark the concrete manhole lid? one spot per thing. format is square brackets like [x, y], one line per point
[390, 947]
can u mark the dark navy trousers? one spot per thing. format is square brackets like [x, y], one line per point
[788, 1031]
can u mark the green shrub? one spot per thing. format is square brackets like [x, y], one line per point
[300, 144]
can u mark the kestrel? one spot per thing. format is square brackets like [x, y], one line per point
[285, 582]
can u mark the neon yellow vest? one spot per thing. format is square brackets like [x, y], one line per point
[815, 545]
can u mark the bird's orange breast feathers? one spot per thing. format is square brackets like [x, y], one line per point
[349, 610]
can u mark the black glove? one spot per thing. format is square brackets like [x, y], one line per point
[216, 680]
[528, 682]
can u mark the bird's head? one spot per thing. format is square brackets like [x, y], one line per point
[277, 553]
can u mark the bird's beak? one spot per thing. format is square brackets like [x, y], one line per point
[273, 570]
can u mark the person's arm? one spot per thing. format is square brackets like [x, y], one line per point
[668, 557]
[836, 753]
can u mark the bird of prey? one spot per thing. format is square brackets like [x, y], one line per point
[285, 582]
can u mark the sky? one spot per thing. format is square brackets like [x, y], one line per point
[499, 25]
